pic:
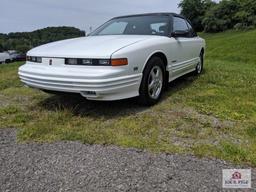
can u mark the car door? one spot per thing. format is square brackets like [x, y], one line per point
[185, 43]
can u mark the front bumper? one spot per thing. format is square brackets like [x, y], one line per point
[94, 83]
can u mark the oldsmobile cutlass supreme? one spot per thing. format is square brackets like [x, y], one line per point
[128, 56]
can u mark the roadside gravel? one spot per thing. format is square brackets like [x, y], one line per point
[72, 166]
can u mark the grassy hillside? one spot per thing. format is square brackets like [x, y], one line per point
[212, 115]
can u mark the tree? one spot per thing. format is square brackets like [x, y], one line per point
[247, 13]
[215, 17]
[229, 14]
[26, 40]
[195, 10]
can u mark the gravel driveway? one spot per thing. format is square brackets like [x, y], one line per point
[72, 166]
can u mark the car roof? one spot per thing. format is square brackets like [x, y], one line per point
[151, 14]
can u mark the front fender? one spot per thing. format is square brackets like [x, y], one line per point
[139, 53]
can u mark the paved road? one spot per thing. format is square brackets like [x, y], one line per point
[72, 166]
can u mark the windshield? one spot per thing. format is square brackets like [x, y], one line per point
[135, 25]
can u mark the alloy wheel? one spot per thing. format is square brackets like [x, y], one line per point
[155, 82]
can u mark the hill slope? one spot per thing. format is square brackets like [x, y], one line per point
[232, 46]
[231, 72]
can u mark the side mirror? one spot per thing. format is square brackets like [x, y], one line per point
[180, 34]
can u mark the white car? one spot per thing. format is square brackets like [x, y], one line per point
[128, 56]
[4, 57]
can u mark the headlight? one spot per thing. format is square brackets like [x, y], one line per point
[86, 62]
[34, 59]
[96, 62]
[104, 62]
[74, 61]
[71, 61]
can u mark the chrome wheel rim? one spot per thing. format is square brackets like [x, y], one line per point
[155, 82]
[199, 66]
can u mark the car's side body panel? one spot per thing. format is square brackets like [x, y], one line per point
[188, 52]
[182, 57]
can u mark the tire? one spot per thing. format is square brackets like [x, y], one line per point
[200, 65]
[153, 82]
[7, 61]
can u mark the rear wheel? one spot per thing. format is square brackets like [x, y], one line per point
[152, 84]
[200, 65]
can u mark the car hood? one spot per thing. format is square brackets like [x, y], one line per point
[87, 47]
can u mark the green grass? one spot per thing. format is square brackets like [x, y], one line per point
[213, 115]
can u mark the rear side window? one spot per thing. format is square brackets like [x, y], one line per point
[179, 24]
[189, 26]
[191, 30]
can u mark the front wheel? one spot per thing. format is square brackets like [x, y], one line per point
[152, 82]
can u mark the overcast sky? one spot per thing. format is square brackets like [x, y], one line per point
[28, 15]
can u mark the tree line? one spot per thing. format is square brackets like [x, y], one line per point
[24, 41]
[210, 16]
